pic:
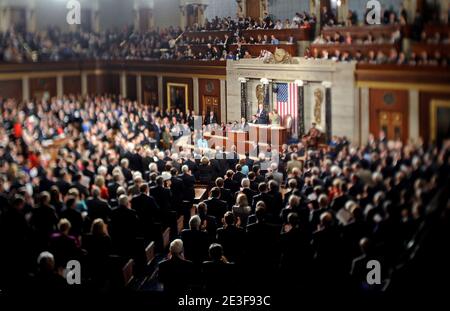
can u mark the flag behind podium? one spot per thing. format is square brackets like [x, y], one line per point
[287, 103]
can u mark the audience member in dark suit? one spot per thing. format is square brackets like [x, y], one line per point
[229, 182]
[327, 248]
[147, 211]
[44, 219]
[97, 207]
[225, 194]
[218, 273]
[65, 247]
[124, 226]
[71, 213]
[296, 253]
[249, 193]
[177, 189]
[216, 207]
[273, 211]
[189, 183]
[162, 195]
[47, 279]
[237, 177]
[176, 273]
[209, 223]
[195, 241]
[262, 196]
[232, 238]
[261, 239]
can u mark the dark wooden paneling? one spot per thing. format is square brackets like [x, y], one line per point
[11, 89]
[187, 81]
[208, 87]
[399, 104]
[164, 66]
[131, 87]
[38, 86]
[72, 85]
[150, 90]
[104, 84]
[425, 99]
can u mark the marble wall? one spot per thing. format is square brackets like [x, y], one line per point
[345, 111]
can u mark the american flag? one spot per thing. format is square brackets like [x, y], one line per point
[287, 103]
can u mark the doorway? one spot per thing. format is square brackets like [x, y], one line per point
[211, 103]
[253, 8]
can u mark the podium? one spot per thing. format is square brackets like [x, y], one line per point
[268, 134]
[264, 136]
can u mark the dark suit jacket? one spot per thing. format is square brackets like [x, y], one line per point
[263, 117]
[216, 208]
[261, 243]
[146, 208]
[188, 189]
[265, 197]
[98, 208]
[124, 228]
[231, 185]
[177, 188]
[232, 239]
[219, 277]
[163, 197]
[196, 245]
[176, 274]
[238, 177]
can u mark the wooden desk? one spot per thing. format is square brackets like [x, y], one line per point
[276, 135]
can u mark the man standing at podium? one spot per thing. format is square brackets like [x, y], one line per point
[262, 115]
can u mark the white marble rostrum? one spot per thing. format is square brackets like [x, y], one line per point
[315, 74]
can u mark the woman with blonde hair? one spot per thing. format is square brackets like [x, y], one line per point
[241, 209]
[100, 183]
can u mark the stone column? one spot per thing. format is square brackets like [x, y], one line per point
[84, 84]
[5, 17]
[143, 5]
[414, 121]
[139, 88]
[25, 88]
[328, 113]
[223, 100]
[59, 86]
[95, 16]
[301, 107]
[196, 97]
[123, 84]
[244, 100]
[31, 16]
[364, 115]
[160, 92]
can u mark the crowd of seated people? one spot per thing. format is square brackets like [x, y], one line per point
[300, 20]
[55, 45]
[374, 57]
[369, 39]
[107, 185]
